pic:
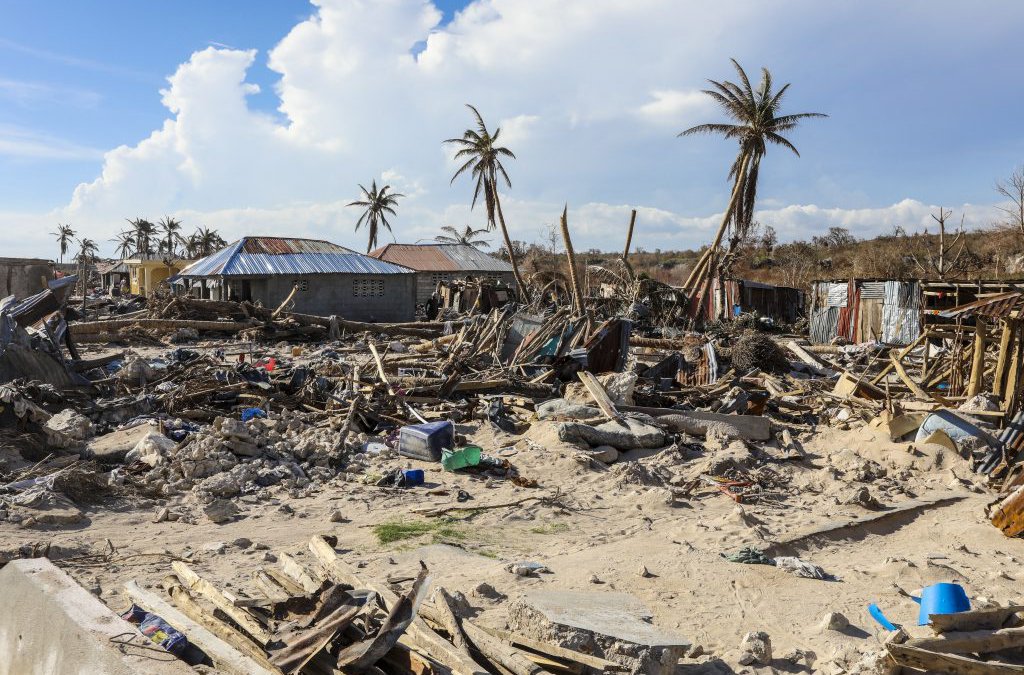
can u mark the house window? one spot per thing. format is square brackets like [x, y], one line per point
[437, 277]
[367, 288]
[301, 284]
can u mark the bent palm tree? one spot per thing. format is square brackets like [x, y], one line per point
[483, 161]
[377, 204]
[143, 231]
[125, 244]
[466, 236]
[757, 123]
[65, 235]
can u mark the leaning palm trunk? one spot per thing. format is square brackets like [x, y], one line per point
[524, 292]
[570, 254]
[706, 260]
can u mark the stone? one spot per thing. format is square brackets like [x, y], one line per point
[560, 409]
[72, 424]
[220, 511]
[644, 572]
[242, 542]
[594, 579]
[154, 450]
[835, 621]
[162, 515]
[604, 453]
[485, 590]
[215, 547]
[756, 649]
[628, 435]
[269, 557]
[338, 517]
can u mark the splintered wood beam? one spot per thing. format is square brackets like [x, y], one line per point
[195, 583]
[978, 362]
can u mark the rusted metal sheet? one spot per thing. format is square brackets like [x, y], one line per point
[997, 306]
[1008, 514]
[441, 258]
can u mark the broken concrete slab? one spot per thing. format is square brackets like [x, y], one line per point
[113, 447]
[627, 434]
[613, 626]
[697, 423]
[52, 625]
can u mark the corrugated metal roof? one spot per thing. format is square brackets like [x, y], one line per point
[441, 258]
[269, 256]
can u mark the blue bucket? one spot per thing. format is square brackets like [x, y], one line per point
[413, 477]
[942, 599]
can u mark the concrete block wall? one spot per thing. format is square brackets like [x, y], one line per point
[357, 297]
[23, 277]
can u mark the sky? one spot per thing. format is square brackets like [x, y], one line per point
[263, 116]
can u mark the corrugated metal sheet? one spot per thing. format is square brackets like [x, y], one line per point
[838, 294]
[997, 306]
[823, 324]
[901, 314]
[270, 256]
[441, 258]
[872, 290]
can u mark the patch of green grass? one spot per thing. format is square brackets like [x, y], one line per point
[550, 528]
[443, 530]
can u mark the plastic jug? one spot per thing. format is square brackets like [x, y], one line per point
[453, 460]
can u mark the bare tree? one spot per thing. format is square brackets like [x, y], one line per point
[947, 260]
[1013, 189]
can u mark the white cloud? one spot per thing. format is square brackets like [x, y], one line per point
[588, 95]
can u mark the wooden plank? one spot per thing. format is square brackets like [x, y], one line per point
[975, 619]
[298, 573]
[598, 393]
[289, 585]
[227, 658]
[978, 362]
[914, 386]
[922, 659]
[558, 652]
[196, 584]
[1003, 357]
[809, 358]
[419, 632]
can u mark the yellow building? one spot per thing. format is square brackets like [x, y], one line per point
[145, 274]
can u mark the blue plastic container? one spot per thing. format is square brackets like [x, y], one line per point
[942, 599]
[426, 441]
[413, 477]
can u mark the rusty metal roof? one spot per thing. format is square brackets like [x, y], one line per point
[270, 256]
[441, 258]
[998, 306]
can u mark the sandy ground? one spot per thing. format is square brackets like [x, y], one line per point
[610, 524]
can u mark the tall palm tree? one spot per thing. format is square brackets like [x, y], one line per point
[756, 124]
[376, 204]
[87, 250]
[65, 235]
[171, 228]
[466, 236]
[144, 232]
[125, 244]
[208, 241]
[483, 161]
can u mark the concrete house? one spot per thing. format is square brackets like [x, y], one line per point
[445, 262]
[330, 279]
[22, 277]
[146, 273]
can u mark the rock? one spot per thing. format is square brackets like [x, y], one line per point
[619, 386]
[72, 424]
[485, 590]
[269, 557]
[594, 579]
[561, 409]
[220, 511]
[162, 514]
[756, 649]
[604, 453]
[862, 497]
[631, 435]
[215, 547]
[338, 517]
[242, 542]
[800, 657]
[397, 347]
[875, 663]
[154, 450]
[644, 572]
[835, 621]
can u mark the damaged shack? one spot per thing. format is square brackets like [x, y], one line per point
[320, 278]
[445, 263]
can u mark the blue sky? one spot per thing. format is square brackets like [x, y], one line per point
[923, 103]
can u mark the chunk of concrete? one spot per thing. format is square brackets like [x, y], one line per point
[561, 409]
[113, 447]
[613, 626]
[52, 625]
[699, 423]
[629, 434]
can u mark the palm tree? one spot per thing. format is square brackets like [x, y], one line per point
[483, 161]
[171, 229]
[757, 123]
[208, 241]
[87, 250]
[377, 204]
[65, 235]
[143, 231]
[466, 236]
[125, 244]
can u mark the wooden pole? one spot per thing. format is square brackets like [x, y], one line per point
[705, 260]
[629, 242]
[1003, 357]
[577, 293]
[978, 363]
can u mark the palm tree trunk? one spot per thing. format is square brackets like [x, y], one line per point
[705, 259]
[524, 292]
[570, 254]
